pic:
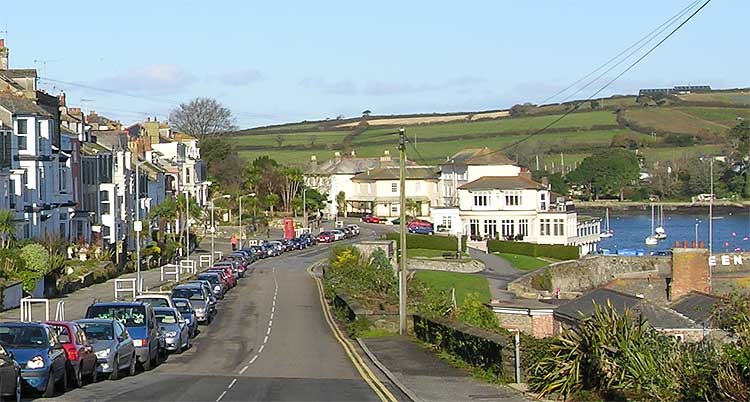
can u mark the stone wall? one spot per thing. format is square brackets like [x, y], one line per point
[353, 310]
[465, 266]
[388, 246]
[589, 272]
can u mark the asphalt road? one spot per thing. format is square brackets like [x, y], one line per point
[268, 342]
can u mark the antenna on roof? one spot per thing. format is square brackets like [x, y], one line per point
[44, 62]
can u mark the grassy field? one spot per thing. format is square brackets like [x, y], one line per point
[724, 116]
[464, 283]
[290, 139]
[523, 262]
[675, 121]
[733, 98]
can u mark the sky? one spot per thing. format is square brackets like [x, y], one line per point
[285, 61]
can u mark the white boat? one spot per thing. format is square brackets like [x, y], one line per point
[651, 239]
[607, 231]
[659, 232]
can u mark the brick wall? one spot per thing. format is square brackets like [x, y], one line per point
[538, 326]
[542, 326]
[689, 272]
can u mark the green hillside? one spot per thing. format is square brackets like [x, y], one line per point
[674, 128]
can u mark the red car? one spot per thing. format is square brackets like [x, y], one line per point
[226, 273]
[81, 356]
[325, 237]
[370, 219]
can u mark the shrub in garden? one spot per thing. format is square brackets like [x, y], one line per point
[37, 260]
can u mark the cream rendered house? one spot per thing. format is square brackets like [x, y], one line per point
[376, 191]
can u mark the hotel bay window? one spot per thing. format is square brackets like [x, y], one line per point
[481, 199]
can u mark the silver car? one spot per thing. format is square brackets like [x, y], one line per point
[199, 298]
[115, 353]
[173, 328]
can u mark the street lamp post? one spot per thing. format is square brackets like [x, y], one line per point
[242, 231]
[213, 225]
[304, 206]
[697, 222]
[187, 222]
[138, 225]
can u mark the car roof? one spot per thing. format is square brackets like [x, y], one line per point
[23, 324]
[204, 273]
[95, 321]
[164, 309]
[157, 295]
[120, 303]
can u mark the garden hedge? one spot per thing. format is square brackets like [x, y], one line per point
[556, 251]
[431, 242]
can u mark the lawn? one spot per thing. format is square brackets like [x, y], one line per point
[673, 120]
[303, 138]
[735, 98]
[428, 253]
[463, 283]
[523, 262]
[721, 115]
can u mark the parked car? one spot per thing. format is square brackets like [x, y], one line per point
[10, 376]
[216, 282]
[138, 318]
[236, 268]
[209, 288]
[353, 228]
[227, 275]
[308, 238]
[81, 357]
[188, 314]
[113, 346]
[338, 234]
[370, 219]
[39, 353]
[326, 237]
[156, 299]
[199, 300]
[174, 329]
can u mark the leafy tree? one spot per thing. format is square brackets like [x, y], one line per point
[163, 213]
[223, 161]
[595, 105]
[699, 178]
[290, 185]
[37, 261]
[341, 202]
[740, 136]
[7, 228]
[366, 113]
[607, 172]
[271, 201]
[473, 311]
[412, 207]
[202, 117]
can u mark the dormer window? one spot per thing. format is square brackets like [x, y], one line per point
[512, 198]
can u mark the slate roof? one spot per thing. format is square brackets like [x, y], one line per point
[479, 156]
[345, 166]
[697, 306]
[112, 139]
[18, 105]
[392, 173]
[92, 148]
[502, 183]
[20, 73]
[657, 316]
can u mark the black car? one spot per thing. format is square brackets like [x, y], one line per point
[10, 376]
[309, 239]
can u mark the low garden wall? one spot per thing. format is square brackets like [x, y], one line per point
[469, 266]
[585, 274]
[353, 311]
[483, 349]
[11, 294]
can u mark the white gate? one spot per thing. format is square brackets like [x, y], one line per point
[170, 272]
[205, 261]
[60, 311]
[125, 286]
[27, 305]
[187, 266]
[218, 255]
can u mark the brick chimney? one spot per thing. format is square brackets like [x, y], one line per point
[3, 55]
[61, 99]
[690, 272]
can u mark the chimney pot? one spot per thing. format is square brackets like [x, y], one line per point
[684, 244]
[701, 244]
[676, 244]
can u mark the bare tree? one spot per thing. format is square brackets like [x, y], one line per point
[202, 117]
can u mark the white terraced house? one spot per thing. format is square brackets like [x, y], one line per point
[516, 208]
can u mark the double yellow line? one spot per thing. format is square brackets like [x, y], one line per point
[370, 378]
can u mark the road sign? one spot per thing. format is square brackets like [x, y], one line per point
[138, 226]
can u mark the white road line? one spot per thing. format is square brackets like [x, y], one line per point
[268, 332]
[270, 322]
[271, 315]
[221, 396]
[261, 349]
[243, 370]
[254, 358]
[265, 340]
[231, 384]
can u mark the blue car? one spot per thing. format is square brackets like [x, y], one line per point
[39, 353]
[141, 324]
[188, 313]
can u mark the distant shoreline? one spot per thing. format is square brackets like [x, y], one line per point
[637, 208]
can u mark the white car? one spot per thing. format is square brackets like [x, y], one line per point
[338, 234]
[156, 299]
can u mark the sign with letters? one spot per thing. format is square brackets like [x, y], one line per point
[727, 259]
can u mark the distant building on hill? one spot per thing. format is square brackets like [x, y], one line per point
[676, 90]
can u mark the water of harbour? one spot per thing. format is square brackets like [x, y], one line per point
[731, 230]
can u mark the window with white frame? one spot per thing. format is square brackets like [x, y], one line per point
[474, 227]
[447, 222]
[394, 187]
[545, 227]
[543, 201]
[481, 199]
[104, 201]
[559, 227]
[22, 132]
[508, 227]
[490, 228]
[523, 227]
[394, 208]
[512, 198]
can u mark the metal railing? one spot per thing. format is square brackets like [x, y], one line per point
[121, 287]
[170, 272]
[187, 266]
[27, 306]
[218, 255]
[205, 261]
[60, 311]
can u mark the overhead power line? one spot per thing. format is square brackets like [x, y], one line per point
[608, 83]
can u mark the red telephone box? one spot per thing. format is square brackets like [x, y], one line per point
[288, 228]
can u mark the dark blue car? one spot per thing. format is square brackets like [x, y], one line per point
[39, 353]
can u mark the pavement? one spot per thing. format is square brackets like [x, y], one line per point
[498, 272]
[430, 379]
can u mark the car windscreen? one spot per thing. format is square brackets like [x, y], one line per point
[182, 307]
[155, 302]
[165, 317]
[188, 293]
[98, 331]
[23, 336]
[214, 279]
[62, 330]
[130, 316]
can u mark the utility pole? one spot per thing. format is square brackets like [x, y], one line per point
[402, 224]
[711, 210]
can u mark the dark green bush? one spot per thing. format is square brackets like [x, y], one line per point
[430, 242]
[556, 251]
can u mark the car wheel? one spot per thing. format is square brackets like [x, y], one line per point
[131, 369]
[147, 363]
[77, 380]
[95, 374]
[18, 388]
[49, 389]
[115, 375]
[64, 382]
[155, 361]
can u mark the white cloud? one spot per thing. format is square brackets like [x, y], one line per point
[152, 79]
[238, 78]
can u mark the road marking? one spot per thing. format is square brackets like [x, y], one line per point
[364, 371]
[261, 349]
[270, 323]
[244, 369]
[265, 339]
[221, 396]
[272, 315]
[268, 332]
[253, 359]
[231, 384]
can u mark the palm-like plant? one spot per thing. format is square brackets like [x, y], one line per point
[7, 228]
[272, 200]
[341, 202]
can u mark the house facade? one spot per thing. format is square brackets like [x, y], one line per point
[377, 191]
